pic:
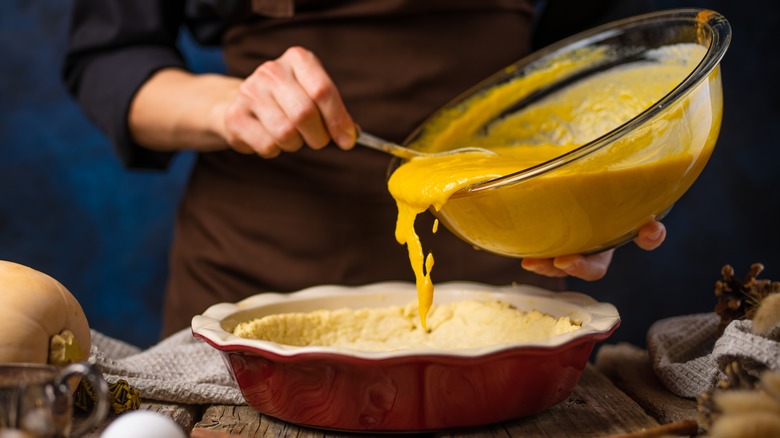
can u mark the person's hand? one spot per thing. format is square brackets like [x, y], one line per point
[594, 267]
[285, 104]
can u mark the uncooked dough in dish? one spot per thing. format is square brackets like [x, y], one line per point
[450, 326]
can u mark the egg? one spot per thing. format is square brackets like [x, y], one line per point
[146, 424]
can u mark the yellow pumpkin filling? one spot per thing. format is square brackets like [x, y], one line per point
[559, 123]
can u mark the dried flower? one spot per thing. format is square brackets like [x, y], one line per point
[767, 316]
[742, 405]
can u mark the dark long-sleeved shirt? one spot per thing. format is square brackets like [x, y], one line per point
[248, 224]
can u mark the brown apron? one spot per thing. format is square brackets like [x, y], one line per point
[248, 224]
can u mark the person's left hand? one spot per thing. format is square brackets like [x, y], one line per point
[593, 267]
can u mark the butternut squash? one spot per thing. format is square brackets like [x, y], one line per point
[37, 311]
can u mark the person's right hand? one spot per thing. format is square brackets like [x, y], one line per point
[285, 104]
[594, 267]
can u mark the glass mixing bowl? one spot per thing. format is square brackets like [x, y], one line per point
[595, 196]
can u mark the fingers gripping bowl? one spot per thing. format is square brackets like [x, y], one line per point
[414, 389]
[615, 124]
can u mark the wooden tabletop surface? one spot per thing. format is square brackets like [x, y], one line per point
[617, 396]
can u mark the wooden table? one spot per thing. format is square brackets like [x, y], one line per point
[617, 395]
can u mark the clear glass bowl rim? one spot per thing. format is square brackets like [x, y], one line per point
[720, 35]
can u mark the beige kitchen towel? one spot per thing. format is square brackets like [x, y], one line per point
[179, 369]
[687, 354]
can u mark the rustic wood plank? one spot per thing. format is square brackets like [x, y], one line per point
[236, 420]
[628, 367]
[244, 421]
[185, 415]
[205, 433]
[595, 408]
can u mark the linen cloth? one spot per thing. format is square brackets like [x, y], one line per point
[179, 369]
[687, 354]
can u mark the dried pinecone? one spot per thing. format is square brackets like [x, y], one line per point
[739, 299]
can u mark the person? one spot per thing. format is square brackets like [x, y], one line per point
[279, 198]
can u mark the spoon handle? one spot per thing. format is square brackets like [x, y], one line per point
[406, 153]
[379, 144]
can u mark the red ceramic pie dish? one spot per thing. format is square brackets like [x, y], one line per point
[405, 390]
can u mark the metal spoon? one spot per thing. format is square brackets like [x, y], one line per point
[406, 153]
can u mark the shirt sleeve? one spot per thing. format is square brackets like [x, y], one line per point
[114, 46]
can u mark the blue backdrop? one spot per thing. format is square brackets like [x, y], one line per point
[69, 209]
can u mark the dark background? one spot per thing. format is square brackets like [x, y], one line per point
[69, 209]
